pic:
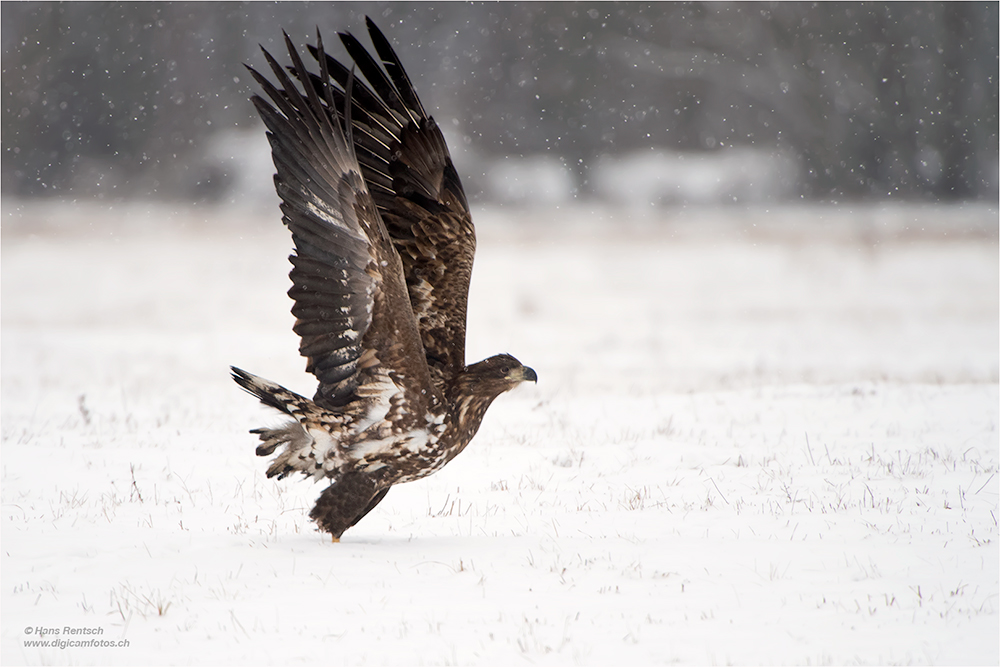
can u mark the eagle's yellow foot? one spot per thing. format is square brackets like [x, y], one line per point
[335, 539]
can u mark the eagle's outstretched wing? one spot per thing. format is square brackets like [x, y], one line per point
[409, 172]
[353, 314]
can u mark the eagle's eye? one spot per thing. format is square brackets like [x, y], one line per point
[504, 370]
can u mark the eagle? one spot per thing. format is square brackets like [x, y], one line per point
[383, 250]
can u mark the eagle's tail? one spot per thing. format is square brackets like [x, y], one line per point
[271, 394]
[301, 452]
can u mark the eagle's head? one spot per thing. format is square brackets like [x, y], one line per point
[497, 374]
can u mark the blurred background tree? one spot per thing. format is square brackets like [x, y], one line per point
[870, 100]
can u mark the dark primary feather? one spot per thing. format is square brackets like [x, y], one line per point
[395, 68]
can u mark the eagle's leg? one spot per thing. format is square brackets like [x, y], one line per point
[346, 501]
[371, 505]
[376, 499]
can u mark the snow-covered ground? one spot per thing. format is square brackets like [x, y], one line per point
[757, 437]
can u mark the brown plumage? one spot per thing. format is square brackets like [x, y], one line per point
[384, 244]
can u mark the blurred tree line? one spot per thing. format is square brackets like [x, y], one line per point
[897, 99]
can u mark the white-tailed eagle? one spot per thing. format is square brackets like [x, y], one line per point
[384, 245]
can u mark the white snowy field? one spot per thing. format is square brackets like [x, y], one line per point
[757, 437]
